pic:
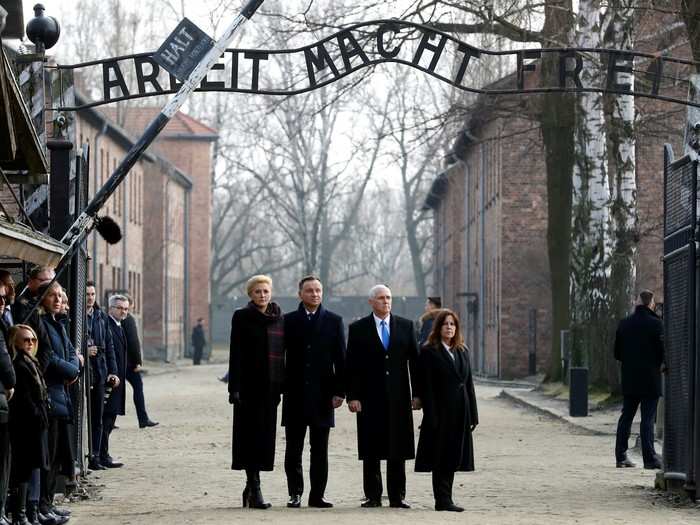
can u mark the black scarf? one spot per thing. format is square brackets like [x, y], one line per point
[274, 324]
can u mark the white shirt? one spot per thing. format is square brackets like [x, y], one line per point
[447, 349]
[119, 323]
[378, 322]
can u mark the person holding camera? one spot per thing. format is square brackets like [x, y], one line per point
[115, 395]
[103, 368]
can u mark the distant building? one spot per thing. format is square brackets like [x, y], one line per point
[490, 211]
[164, 208]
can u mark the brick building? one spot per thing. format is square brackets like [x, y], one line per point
[490, 211]
[187, 144]
[154, 207]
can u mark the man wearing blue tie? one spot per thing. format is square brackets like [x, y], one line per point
[381, 351]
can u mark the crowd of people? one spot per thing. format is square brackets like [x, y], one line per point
[302, 358]
[39, 393]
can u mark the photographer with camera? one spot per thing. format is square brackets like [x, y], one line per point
[103, 369]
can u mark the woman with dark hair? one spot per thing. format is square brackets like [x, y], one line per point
[28, 422]
[256, 369]
[446, 391]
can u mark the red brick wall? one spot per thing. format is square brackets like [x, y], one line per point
[194, 158]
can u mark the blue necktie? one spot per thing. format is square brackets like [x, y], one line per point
[385, 336]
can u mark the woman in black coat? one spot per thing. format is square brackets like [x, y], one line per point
[256, 368]
[28, 419]
[446, 391]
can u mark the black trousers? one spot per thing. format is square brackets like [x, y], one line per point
[197, 355]
[97, 405]
[318, 470]
[5, 462]
[646, 427]
[136, 382]
[395, 479]
[60, 459]
[108, 421]
[442, 487]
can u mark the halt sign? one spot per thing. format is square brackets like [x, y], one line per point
[183, 49]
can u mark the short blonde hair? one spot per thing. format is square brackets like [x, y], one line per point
[14, 335]
[256, 280]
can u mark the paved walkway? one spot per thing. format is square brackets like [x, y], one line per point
[531, 468]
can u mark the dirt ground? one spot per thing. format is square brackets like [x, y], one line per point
[529, 470]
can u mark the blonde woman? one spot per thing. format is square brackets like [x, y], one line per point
[256, 369]
[28, 420]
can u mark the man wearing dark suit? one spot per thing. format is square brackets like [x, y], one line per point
[314, 387]
[134, 362]
[103, 368]
[381, 350]
[116, 404]
[639, 346]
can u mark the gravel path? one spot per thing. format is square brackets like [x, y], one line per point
[529, 470]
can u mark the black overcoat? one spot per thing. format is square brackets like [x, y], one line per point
[314, 367]
[28, 420]
[116, 404]
[104, 363]
[446, 391]
[133, 343]
[255, 416]
[380, 380]
[639, 346]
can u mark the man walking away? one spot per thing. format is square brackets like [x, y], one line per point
[199, 341]
[134, 362]
[639, 346]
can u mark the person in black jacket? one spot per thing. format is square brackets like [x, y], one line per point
[103, 368]
[639, 346]
[62, 370]
[314, 387]
[115, 402]
[7, 384]
[28, 422]
[256, 376]
[199, 341]
[134, 362]
[381, 350]
[446, 392]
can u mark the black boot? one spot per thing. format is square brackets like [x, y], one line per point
[33, 512]
[19, 510]
[255, 497]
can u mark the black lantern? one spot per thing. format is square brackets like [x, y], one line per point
[43, 30]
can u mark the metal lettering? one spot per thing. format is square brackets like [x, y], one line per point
[565, 72]
[108, 84]
[319, 62]
[350, 51]
[436, 49]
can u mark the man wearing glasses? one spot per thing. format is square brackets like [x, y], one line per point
[115, 396]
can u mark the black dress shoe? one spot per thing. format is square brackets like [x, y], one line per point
[294, 501]
[320, 503]
[625, 463]
[450, 507]
[93, 464]
[371, 503]
[60, 512]
[401, 504]
[149, 423]
[654, 465]
[113, 464]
